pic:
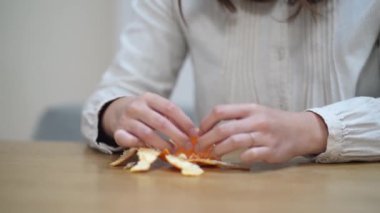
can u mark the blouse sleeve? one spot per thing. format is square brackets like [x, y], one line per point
[354, 130]
[151, 53]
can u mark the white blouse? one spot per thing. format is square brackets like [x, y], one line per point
[318, 63]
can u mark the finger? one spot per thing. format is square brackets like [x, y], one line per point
[224, 112]
[125, 139]
[147, 135]
[158, 122]
[222, 131]
[235, 142]
[173, 112]
[255, 154]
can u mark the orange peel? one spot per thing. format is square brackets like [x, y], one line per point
[146, 158]
[187, 168]
[188, 162]
[127, 154]
[218, 163]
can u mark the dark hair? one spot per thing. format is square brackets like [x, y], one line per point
[301, 4]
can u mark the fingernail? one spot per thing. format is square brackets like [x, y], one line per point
[194, 131]
[119, 133]
[171, 142]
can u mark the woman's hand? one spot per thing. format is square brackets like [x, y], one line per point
[265, 134]
[136, 121]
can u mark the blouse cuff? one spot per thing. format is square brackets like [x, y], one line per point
[90, 120]
[335, 138]
[354, 130]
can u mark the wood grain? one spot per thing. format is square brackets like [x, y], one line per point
[70, 177]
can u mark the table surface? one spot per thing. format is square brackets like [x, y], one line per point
[70, 177]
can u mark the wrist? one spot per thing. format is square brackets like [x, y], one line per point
[102, 135]
[317, 132]
[107, 117]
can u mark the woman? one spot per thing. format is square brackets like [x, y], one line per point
[277, 79]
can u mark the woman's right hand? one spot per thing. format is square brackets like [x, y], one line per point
[136, 121]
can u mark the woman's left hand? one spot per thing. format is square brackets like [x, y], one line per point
[266, 134]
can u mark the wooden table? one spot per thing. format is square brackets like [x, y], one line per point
[70, 177]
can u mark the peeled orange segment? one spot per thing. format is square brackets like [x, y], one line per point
[127, 154]
[211, 162]
[187, 168]
[146, 158]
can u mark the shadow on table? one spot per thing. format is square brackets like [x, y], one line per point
[264, 167]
